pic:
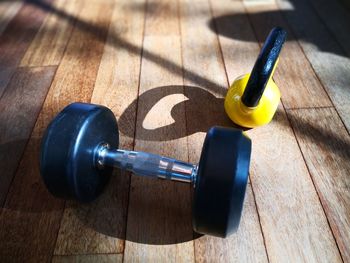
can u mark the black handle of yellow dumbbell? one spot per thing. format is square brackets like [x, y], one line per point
[264, 67]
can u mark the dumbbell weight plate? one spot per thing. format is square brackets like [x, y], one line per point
[68, 146]
[221, 182]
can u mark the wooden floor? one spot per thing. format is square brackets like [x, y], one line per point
[163, 67]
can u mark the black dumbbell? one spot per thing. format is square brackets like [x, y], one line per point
[80, 149]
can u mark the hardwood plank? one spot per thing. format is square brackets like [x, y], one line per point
[5, 76]
[325, 144]
[16, 38]
[238, 56]
[294, 224]
[31, 218]
[50, 42]
[328, 60]
[246, 245]
[110, 258]
[7, 11]
[163, 20]
[19, 108]
[159, 215]
[297, 80]
[279, 178]
[103, 222]
[201, 55]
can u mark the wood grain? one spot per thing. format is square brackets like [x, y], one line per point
[110, 258]
[19, 108]
[201, 54]
[325, 144]
[190, 52]
[324, 53]
[294, 224]
[159, 215]
[16, 38]
[246, 245]
[50, 42]
[276, 171]
[298, 82]
[103, 223]
[31, 218]
[162, 18]
[7, 11]
[238, 56]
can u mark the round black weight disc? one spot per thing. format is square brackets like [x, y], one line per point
[68, 150]
[221, 182]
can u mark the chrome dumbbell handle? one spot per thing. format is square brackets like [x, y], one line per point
[146, 164]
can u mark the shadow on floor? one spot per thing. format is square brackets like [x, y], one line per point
[317, 134]
[154, 219]
[118, 42]
[159, 211]
[28, 192]
[178, 226]
[108, 214]
[197, 113]
[153, 216]
[237, 26]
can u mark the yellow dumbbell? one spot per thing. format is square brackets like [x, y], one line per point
[252, 99]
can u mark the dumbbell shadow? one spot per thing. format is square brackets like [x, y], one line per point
[160, 221]
[148, 220]
[158, 211]
[108, 213]
[27, 185]
[199, 111]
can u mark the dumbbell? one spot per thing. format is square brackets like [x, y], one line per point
[80, 149]
[252, 99]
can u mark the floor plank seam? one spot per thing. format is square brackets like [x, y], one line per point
[47, 13]
[9, 81]
[26, 144]
[16, 65]
[135, 122]
[185, 109]
[251, 181]
[36, 66]
[58, 231]
[130, 249]
[105, 42]
[312, 67]
[291, 126]
[74, 21]
[316, 189]
[88, 254]
[324, 88]
[308, 108]
[75, 28]
[259, 219]
[219, 43]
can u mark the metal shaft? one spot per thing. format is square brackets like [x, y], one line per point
[147, 164]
